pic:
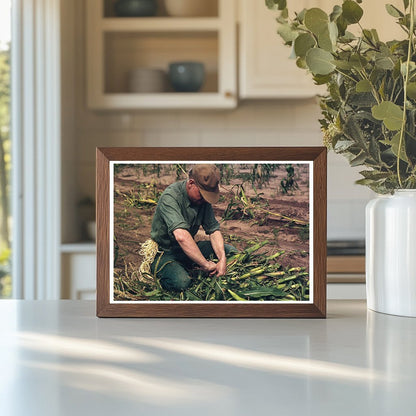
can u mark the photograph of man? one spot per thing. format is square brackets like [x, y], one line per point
[211, 231]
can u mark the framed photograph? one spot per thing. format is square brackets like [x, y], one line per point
[211, 232]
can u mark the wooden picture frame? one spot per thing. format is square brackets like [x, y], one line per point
[306, 295]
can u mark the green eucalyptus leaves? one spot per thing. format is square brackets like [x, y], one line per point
[369, 113]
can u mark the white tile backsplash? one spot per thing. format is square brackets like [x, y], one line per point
[88, 140]
[171, 138]
[154, 119]
[341, 180]
[292, 137]
[208, 119]
[346, 219]
[229, 138]
[346, 200]
[307, 113]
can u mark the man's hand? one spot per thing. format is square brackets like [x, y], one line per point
[220, 267]
[210, 268]
[218, 245]
[191, 249]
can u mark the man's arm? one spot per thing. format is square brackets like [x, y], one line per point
[217, 242]
[191, 249]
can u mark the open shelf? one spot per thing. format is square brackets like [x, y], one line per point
[118, 45]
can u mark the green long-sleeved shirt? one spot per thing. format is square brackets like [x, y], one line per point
[174, 210]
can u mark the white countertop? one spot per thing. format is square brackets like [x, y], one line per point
[57, 358]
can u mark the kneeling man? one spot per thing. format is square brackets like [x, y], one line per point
[182, 209]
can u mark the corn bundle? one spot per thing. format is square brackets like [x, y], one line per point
[148, 250]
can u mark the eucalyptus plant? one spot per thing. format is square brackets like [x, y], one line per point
[369, 111]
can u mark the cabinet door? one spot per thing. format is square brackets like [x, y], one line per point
[266, 71]
[78, 276]
[376, 17]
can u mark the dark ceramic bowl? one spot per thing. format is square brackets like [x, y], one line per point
[186, 76]
[135, 8]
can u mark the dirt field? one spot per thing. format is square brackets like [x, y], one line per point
[246, 213]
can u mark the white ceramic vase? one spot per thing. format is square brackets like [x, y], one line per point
[391, 253]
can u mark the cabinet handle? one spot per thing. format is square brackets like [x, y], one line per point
[229, 94]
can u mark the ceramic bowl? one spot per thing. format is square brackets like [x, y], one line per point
[186, 76]
[135, 8]
[147, 80]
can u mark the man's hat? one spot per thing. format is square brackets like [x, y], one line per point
[207, 178]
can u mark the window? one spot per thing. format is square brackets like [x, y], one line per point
[5, 149]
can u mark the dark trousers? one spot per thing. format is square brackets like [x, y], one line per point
[172, 267]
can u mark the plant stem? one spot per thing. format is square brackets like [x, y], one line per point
[406, 79]
[346, 75]
[392, 91]
[373, 88]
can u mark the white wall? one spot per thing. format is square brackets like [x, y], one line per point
[253, 123]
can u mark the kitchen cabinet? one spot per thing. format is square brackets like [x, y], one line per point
[78, 263]
[265, 67]
[346, 277]
[265, 70]
[118, 45]
[344, 269]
